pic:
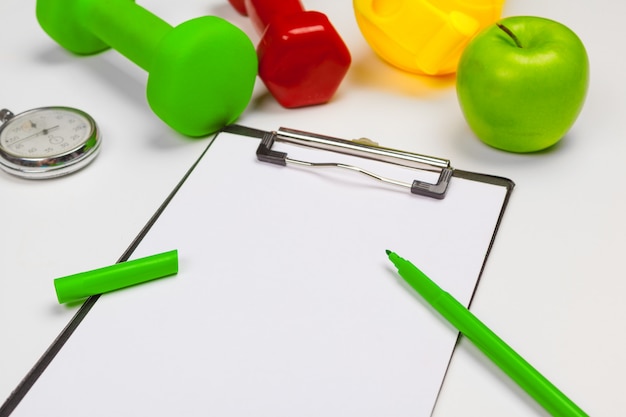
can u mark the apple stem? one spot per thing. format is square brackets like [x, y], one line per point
[511, 34]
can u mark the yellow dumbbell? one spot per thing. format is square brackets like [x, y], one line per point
[421, 36]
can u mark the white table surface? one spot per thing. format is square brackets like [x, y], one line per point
[552, 287]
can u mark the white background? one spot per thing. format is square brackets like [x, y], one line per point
[553, 286]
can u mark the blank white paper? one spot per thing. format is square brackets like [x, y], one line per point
[285, 303]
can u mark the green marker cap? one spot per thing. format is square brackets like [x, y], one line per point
[110, 278]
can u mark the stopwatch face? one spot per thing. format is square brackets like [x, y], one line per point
[48, 142]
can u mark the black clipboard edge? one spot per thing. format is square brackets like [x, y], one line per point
[489, 179]
[495, 180]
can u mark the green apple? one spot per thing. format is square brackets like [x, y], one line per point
[522, 82]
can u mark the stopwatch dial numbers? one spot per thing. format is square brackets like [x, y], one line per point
[45, 133]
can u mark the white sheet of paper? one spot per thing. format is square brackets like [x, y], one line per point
[285, 303]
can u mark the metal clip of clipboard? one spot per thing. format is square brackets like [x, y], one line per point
[357, 148]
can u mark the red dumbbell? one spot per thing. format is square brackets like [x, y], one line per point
[302, 58]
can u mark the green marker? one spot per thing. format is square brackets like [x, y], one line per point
[110, 278]
[516, 367]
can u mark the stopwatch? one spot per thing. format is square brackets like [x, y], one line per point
[47, 142]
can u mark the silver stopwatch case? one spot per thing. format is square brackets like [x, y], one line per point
[47, 142]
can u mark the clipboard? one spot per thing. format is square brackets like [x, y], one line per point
[285, 303]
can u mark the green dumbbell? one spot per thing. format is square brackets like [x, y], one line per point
[201, 72]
